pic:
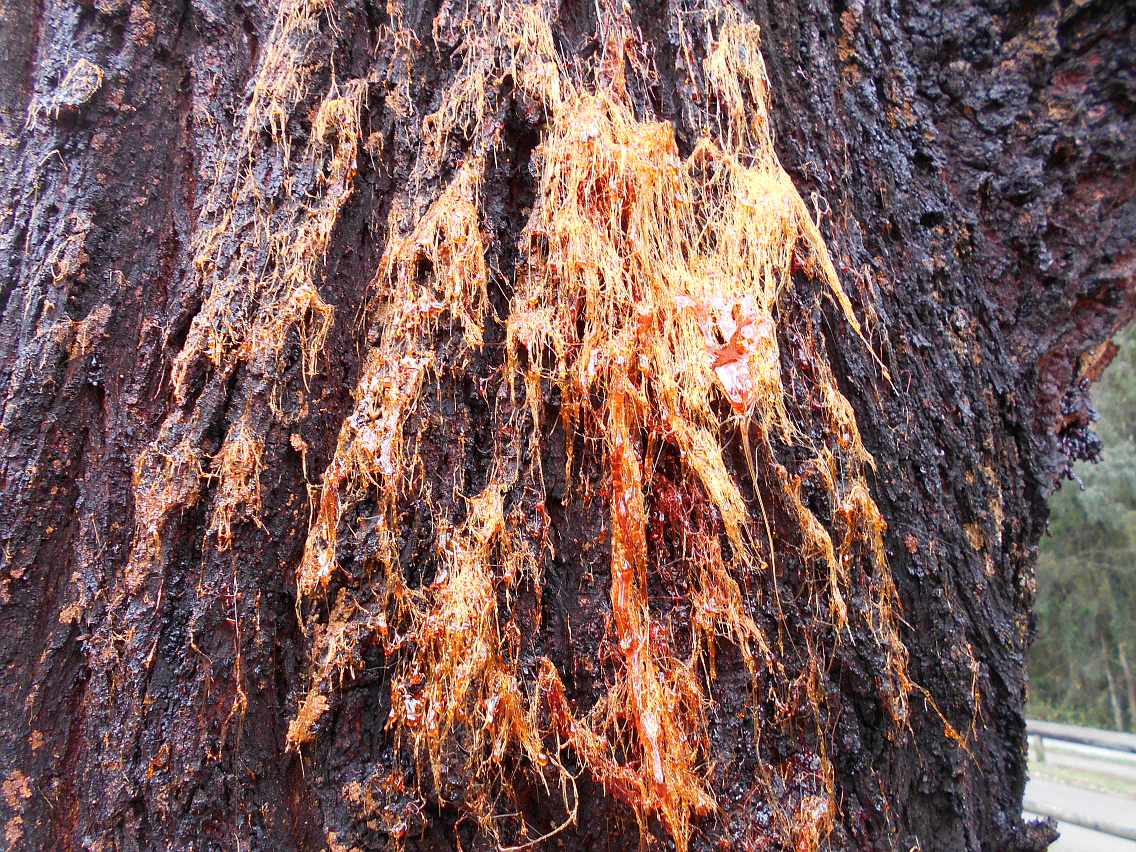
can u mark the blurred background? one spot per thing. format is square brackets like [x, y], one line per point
[1082, 664]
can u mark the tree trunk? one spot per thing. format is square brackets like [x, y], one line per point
[1129, 684]
[1113, 691]
[444, 425]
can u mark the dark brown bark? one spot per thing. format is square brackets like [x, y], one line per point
[978, 162]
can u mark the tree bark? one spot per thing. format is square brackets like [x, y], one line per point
[204, 204]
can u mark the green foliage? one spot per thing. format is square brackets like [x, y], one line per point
[1086, 603]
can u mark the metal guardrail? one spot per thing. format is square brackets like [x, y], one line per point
[1103, 826]
[1110, 740]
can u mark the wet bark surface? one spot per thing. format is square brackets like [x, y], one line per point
[975, 166]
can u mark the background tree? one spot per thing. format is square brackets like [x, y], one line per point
[472, 424]
[1081, 663]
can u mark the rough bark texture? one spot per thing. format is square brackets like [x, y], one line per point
[977, 162]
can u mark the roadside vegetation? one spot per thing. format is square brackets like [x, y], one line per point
[1083, 659]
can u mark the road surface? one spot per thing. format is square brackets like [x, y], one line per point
[1076, 839]
[1097, 784]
